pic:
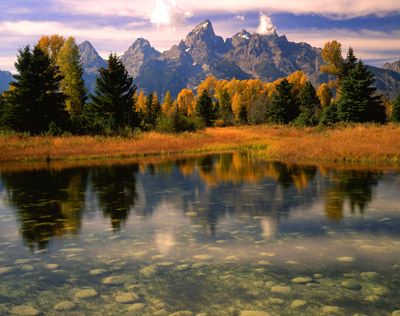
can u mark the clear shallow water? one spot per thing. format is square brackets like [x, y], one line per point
[216, 235]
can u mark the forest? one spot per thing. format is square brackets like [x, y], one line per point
[48, 97]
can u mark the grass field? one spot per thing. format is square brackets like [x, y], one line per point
[356, 144]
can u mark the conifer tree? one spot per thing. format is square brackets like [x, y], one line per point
[204, 108]
[359, 101]
[309, 106]
[225, 107]
[284, 107]
[35, 103]
[396, 110]
[73, 85]
[112, 108]
[168, 103]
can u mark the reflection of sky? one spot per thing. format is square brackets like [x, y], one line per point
[112, 26]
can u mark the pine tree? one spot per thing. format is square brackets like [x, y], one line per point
[309, 106]
[225, 107]
[284, 107]
[34, 103]
[396, 110]
[73, 85]
[204, 108]
[167, 104]
[112, 108]
[358, 99]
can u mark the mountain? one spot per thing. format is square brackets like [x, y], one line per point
[5, 79]
[91, 62]
[395, 66]
[203, 53]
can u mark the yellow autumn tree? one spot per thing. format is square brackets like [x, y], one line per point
[51, 45]
[209, 84]
[185, 101]
[332, 57]
[239, 108]
[167, 104]
[324, 94]
[141, 102]
[298, 79]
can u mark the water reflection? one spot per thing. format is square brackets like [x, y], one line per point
[206, 190]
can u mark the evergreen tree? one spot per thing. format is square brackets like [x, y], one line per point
[73, 85]
[112, 108]
[204, 108]
[358, 99]
[285, 106]
[348, 64]
[396, 110]
[309, 106]
[35, 103]
[225, 108]
[168, 103]
[152, 111]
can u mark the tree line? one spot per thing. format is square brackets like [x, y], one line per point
[48, 96]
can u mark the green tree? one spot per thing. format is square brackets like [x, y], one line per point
[225, 108]
[284, 106]
[309, 106]
[204, 108]
[73, 85]
[396, 110]
[35, 103]
[359, 101]
[112, 108]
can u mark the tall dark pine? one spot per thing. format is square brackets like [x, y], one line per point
[359, 101]
[284, 106]
[396, 110]
[309, 106]
[112, 101]
[204, 108]
[34, 103]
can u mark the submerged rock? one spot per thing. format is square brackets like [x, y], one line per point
[182, 267]
[204, 257]
[125, 298]
[297, 304]
[280, 289]
[380, 291]
[96, 272]
[113, 280]
[5, 270]
[253, 313]
[351, 285]
[331, 310]
[64, 306]
[137, 307]
[276, 301]
[85, 293]
[369, 276]
[373, 298]
[302, 280]
[182, 313]
[345, 259]
[148, 272]
[52, 266]
[24, 310]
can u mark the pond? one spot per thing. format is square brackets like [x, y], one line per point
[215, 235]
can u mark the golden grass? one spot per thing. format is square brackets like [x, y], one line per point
[358, 144]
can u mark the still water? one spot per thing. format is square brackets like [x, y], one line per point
[216, 235]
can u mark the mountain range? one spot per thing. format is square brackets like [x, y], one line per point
[203, 53]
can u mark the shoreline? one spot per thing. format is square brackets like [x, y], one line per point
[356, 144]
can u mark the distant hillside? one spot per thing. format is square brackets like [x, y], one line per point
[5, 79]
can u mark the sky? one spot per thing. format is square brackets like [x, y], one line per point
[371, 27]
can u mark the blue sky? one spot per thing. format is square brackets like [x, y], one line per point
[372, 28]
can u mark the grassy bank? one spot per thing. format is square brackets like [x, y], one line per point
[361, 144]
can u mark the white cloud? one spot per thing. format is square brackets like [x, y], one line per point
[266, 27]
[142, 8]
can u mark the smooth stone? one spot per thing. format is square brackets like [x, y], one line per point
[23, 261]
[125, 298]
[5, 270]
[191, 214]
[113, 280]
[253, 313]
[318, 276]
[369, 276]
[330, 310]
[297, 304]
[276, 301]
[182, 267]
[264, 263]
[52, 266]
[24, 310]
[64, 306]
[396, 313]
[373, 298]
[182, 313]
[380, 291]
[137, 307]
[203, 257]
[345, 259]
[199, 265]
[351, 285]
[161, 312]
[27, 267]
[85, 293]
[302, 280]
[96, 272]
[148, 272]
[165, 264]
[280, 289]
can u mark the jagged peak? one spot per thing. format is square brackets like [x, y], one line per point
[141, 42]
[206, 25]
[243, 34]
[86, 45]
